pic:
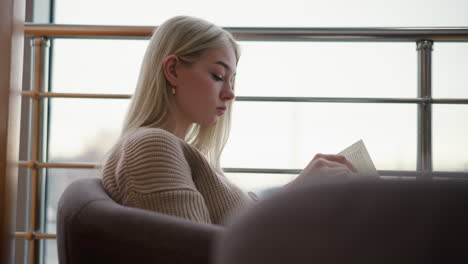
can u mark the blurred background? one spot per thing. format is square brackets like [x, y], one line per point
[267, 135]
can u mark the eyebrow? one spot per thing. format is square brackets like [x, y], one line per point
[222, 63]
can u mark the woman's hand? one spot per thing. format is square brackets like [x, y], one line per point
[326, 166]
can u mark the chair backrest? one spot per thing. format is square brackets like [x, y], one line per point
[357, 221]
[92, 228]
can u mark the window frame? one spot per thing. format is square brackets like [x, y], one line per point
[42, 34]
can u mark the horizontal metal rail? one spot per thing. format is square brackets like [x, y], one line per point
[269, 98]
[34, 235]
[456, 34]
[74, 165]
[76, 95]
[89, 165]
[351, 100]
[328, 99]
[448, 101]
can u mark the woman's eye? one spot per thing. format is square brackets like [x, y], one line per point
[216, 77]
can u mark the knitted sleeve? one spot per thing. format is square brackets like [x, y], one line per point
[157, 176]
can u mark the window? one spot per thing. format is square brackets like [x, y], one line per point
[292, 94]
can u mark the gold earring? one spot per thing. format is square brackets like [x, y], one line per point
[173, 90]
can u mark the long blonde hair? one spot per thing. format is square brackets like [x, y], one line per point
[188, 38]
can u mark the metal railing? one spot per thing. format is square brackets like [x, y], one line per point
[422, 37]
[262, 34]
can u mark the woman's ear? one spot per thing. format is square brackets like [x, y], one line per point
[169, 68]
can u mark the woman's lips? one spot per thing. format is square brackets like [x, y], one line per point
[220, 110]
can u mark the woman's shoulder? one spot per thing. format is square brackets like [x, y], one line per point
[148, 160]
[147, 137]
[147, 148]
[156, 140]
[144, 133]
[145, 142]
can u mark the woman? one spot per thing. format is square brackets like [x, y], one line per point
[168, 156]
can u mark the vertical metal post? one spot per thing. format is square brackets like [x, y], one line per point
[424, 155]
[40, 48]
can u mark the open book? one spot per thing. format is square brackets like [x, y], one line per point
[357, 154]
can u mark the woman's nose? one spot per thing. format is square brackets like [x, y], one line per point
[228, 93]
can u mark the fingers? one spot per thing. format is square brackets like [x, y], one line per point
[328, 165]
[325, 173]
[336, 172]
[326, 158]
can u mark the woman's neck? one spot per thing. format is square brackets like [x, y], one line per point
[176, 126]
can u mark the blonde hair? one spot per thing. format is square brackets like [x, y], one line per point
[188, 38]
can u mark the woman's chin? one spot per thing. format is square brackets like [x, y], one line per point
[212, 121]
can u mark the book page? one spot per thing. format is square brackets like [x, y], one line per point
[357, 154]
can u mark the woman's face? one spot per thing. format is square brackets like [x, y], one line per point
[204, 88]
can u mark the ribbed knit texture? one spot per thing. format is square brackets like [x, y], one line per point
[153, 169]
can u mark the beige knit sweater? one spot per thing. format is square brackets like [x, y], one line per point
[153, 169]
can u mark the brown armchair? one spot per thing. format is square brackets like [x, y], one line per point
[353, 221]
[92, 228]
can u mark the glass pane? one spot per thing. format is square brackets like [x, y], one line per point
[325, 69]
[84, 130]
[57, 181]
[288, 135]
[300, 68]
[96, 66]
[450, 67]
[450, 141]
[293, 13]
[50, 251]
